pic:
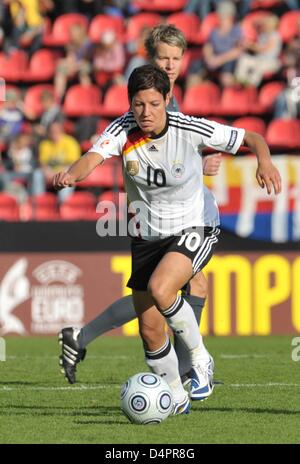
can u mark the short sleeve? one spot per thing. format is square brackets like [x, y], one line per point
[223, 138]
[108, 145]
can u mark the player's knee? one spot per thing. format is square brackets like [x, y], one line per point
[161, 293]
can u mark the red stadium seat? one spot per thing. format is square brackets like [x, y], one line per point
[13, 67]
[208, 24]
[160, 5]
[266, 4]
[137, 23]
[41, 66]
[201, 99]
[289, 25]
[9, 208]
[188, 23]
[32, 100]
[46, 215]
[79, 206]
[60, 33]
[251, 123]
[82, 100]
[42, 208]
[267, 95]
[283, 134]
[44, 200]
[115, 101]
[236, 101]
[102, 23]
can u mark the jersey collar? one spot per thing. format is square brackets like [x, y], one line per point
[164, 131]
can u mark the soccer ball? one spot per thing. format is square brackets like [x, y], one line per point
[146, 398]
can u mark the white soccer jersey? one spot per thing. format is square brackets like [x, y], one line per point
[163, 174]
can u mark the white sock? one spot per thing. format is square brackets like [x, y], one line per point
[164, 362]
[181, 318]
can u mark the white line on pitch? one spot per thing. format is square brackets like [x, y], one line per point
[56, 357]
[103, 386]
[242, 356]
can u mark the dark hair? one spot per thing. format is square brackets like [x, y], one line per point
[148, 77]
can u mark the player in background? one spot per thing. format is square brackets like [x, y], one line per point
[173, 242]
[165, 47]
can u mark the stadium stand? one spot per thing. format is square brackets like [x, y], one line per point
[31, 71]
[102, 23]
[115, 101]
[41, 67]
[188, 23]
[32, 99]
[161, 5]
[60, 33]
[78, 206]
[202, 99]
[251, 123]
[283, 134]
[137, 23]
[9, 208]
[89, 96]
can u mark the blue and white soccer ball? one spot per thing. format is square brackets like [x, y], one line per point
[146, 398]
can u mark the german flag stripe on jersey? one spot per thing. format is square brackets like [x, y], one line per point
[135, 139]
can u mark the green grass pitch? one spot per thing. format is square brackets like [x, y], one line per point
[258, 402]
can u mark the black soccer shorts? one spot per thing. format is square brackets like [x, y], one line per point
[197, 243]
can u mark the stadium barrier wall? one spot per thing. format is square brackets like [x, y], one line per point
[48, 281]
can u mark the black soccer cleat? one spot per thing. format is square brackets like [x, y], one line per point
[72, 354]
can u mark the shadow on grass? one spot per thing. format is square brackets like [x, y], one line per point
[93, 411]
[249, 410]
[103, 422]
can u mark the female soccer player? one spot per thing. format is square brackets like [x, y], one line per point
[166, 188]
[165, 47]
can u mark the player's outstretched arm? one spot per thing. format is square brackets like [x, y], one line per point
[77, 171]
[267, 174]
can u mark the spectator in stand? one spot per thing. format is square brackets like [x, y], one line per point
[11, 117]
[287, 104]
[57, 153]
[261, 56]
[5, 22]
[27, 27]
[122, 8]
[76, 62]
[291, 4]
[21, 164]
[203, 7]
[51, 113]
[221, 50]
[109, 58]
[89, 8]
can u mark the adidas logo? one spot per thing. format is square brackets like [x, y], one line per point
[152, 148]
